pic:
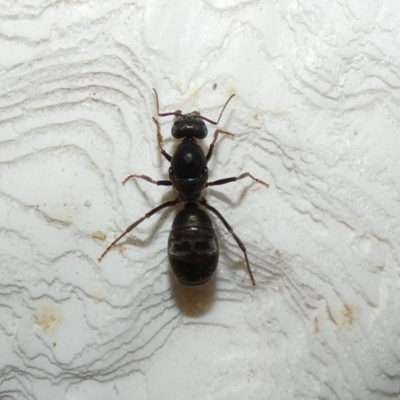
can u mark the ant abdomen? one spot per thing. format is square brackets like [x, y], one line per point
[193, 248]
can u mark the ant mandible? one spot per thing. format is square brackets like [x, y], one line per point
[193, 248]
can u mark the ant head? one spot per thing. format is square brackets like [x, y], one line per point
[189, 125]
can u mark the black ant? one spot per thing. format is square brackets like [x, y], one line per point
[193, 248]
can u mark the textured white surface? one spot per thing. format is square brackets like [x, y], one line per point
[316, 115]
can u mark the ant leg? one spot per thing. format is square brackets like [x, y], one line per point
[212, 145]
[136, 223]
[148, 179]
[236, 178]
[204, 203]
[160, 141]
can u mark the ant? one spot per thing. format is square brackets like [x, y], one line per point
[193, 248]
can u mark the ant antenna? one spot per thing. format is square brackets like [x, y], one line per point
[176, 113]
[179, 112]
[220, 114]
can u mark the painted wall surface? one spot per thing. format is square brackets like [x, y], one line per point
[316, 115]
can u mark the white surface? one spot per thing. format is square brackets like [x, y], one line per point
[316, 115]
